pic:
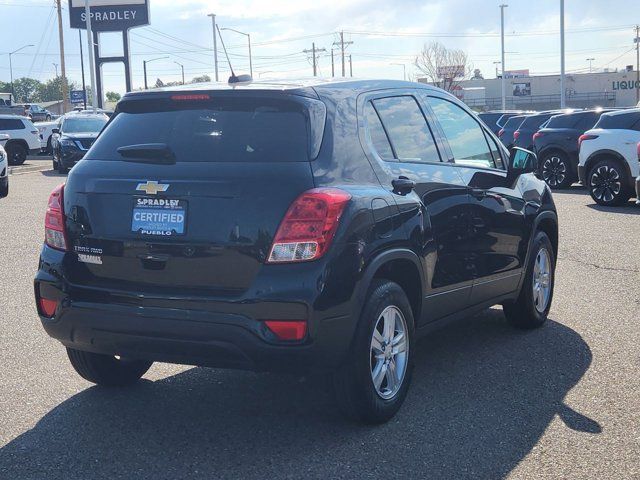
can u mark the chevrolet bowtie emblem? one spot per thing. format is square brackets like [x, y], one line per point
[153, 187]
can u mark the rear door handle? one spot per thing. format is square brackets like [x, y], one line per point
[478, 193]
[402, 185]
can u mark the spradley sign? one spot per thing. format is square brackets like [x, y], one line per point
[109, 15]
[625, 85]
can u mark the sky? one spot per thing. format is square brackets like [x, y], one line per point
[386, 36]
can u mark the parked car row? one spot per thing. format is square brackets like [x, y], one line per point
[598, 147]
[24, 138]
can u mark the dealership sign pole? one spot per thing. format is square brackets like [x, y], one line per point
[98, 16]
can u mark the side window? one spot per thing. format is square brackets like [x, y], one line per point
[464, 134]
[495, 152]
[375, 132]
[408, 132]
[11, 124]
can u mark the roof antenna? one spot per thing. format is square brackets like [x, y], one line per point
[233, 78]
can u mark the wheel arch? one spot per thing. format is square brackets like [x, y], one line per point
[606, 154]
[401, 266]
[547, 222]
[17, 141]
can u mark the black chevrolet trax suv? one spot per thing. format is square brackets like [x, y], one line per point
[301, 227]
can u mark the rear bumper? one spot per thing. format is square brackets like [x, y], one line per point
[203, 332]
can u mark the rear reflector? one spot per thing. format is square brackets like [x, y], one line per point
[516, 134]
[287, 330]
[192, 96]
[638, 151]
[54, 227]
[501, 132]
[537, 135]
[309, 225]
[48, 307]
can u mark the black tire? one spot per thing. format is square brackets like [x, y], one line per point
[608, 183]
[353, 382]
[106, 370]
[525, 312]
[16, 154]
[4, 190]
[61, 169]
[555, 170]
[49, 149]
[48, 119]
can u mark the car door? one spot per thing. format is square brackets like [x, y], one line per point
[498, 238]
[406, 151]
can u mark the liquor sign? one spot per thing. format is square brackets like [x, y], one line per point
[109, 15]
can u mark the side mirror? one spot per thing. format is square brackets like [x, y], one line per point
[522, 161]
[55, 130]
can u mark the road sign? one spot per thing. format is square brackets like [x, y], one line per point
[77, 96]
[109, 15]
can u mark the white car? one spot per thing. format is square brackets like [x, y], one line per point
[46, 134]
[610, 157]
[4, 167]
[25, 138]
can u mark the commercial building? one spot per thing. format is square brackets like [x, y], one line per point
[525, 92]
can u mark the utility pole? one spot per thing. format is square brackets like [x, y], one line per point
[502, 80]
[92, 63]
[342, 44]
[65, 94]
[637, 40]
[563, 100]
[215, 44]
[333, 68]
[590, 60]
[314, 56]
[84, 86]
[350, 66]
[182, 67]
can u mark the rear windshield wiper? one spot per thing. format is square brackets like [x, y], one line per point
[148, 153]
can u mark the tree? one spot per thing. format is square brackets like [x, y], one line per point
[52, 89]
[5, 87]
[26, 90]
[113, 96]
[201, 79]
[443, 67]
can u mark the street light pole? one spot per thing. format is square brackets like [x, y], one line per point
[144, 67]
[92, 63]
[215, 44]
[563, 100]
[182, 67]
[590, 60]
[11, 67]
[502, 82]
[249, 40]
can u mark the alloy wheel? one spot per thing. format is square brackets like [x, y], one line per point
[605, 183]
[554, 171]
[389, 352]
[542, 280]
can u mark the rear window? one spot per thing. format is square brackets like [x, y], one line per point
[490, 119]
[626, 121]
[216, 130]
[11, 124]
[563, 121]
[514, 122]
[535, 121]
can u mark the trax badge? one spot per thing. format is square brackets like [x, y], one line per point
[153, 187]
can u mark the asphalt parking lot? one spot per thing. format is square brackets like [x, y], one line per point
[486, 401]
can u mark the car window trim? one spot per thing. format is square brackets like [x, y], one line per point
[384, 129]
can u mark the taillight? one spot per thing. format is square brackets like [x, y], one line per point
[309, 226]
[190, 97]
[55, 235]
[287, 329]
[582, 138]
[501, 132]
[537, 135]
[516, 135]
